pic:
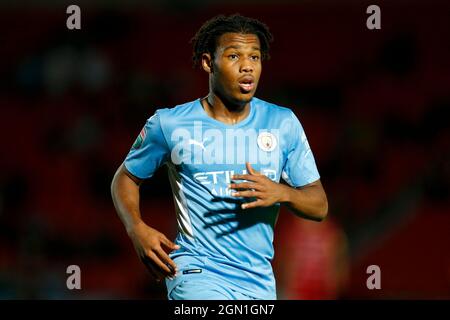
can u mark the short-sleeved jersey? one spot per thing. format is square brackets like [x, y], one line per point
[201, 153]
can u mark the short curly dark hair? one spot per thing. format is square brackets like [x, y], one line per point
[205, 40]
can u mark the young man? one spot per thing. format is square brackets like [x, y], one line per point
[226, 154]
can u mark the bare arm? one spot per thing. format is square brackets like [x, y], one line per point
[125, 195]
[147, 241]
[309, 202]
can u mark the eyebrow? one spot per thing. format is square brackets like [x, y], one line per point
[239, 47]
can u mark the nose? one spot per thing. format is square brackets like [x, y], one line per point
[246, 66]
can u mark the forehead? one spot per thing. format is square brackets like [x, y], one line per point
[238, 40]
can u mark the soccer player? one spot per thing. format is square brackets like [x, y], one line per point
[226, 154]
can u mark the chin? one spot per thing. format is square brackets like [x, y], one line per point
[239, 99]
[245, 97]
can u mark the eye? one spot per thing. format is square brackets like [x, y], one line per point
[233, 56]
[255, 58]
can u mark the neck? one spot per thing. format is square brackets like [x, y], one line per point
[225, 111]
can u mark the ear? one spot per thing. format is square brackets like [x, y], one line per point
[207, 62]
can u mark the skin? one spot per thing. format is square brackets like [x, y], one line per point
[237, 55]
[151, 245]
[309, 201]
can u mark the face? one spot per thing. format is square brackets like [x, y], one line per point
[235, 68]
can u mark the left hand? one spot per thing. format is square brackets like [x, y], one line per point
[266, 191]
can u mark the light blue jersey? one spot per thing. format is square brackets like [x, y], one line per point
[219, 241]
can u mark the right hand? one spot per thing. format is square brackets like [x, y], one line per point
[149, 243]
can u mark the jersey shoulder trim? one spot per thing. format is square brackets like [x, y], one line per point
[272, 107]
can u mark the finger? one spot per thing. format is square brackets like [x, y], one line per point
[169, 244]
[155, 274]
[248, 177]
[244, 185]
[159, 263]
[247, 194]
[166, 259]
[250, 169]
[254, 204]
[158, 275]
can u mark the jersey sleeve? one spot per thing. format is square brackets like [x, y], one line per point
[300, 167]
[149, 150]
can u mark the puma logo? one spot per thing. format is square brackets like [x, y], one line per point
[195, 142]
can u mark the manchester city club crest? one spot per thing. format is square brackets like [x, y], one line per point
[267, 141]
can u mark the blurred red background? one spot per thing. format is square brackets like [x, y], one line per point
[374, 104]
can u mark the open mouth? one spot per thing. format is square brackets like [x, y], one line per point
[247, 84]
